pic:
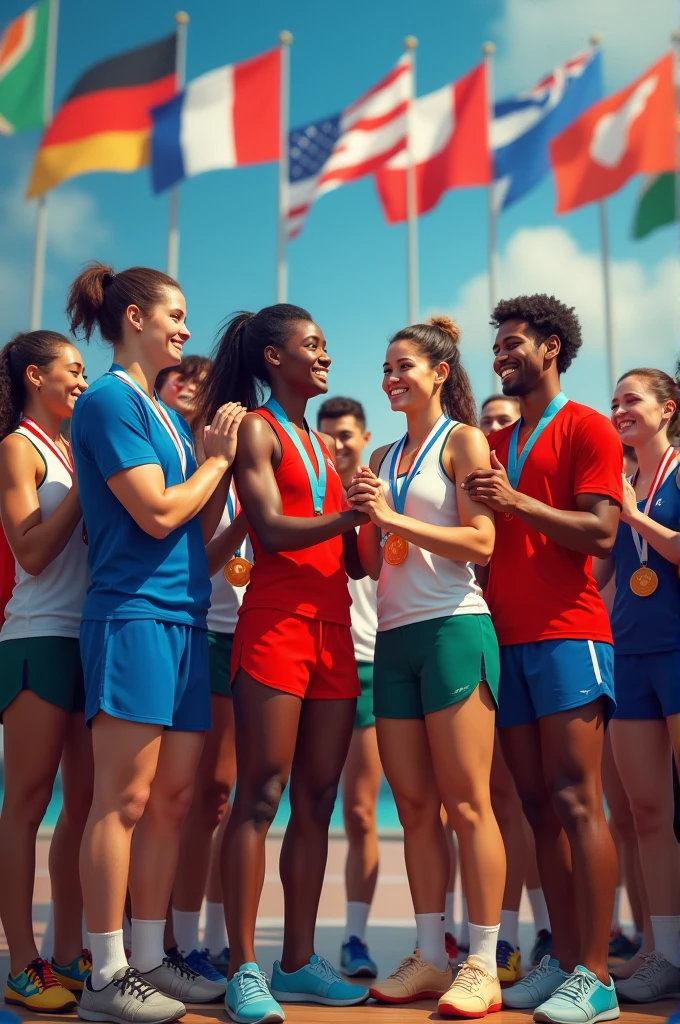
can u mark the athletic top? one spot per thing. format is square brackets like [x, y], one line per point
[134, 575]
[51, 603]
[426, 586]
[225, 600]
[644, 624]
[538, 589]
[364, 617]
[312, 581]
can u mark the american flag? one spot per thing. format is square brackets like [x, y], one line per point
[329, 153]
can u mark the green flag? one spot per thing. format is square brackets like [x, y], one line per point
[23, 64]
[656, 204]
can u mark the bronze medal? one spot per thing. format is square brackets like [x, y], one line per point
[237, 571]
[396, 550]
[644, 581]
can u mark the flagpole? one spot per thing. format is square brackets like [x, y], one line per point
[411, 44]
[488, 49]
[182, 21]
[285, 39]
[40, 244]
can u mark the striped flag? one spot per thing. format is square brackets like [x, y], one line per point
[326, 154]
[23, 65]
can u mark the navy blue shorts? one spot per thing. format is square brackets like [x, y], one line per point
[549, 676]
[647, 685]
[144, 670]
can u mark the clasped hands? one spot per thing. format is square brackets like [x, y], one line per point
[365, 494]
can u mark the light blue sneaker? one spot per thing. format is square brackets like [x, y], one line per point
[248, 999]
[316, 982]
[536, 986]
[199, 961]
[355, 961]
[581, 999]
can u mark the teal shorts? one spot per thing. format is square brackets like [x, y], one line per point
[427, 666]
[364, 716]
[219, 658]
[48, 666]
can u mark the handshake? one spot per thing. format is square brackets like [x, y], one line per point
[365, 494]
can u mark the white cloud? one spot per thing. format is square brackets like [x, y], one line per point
[74, 227]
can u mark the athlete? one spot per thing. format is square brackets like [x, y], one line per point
[498, 411]
[344, 420]
[555, 485]
[293, 673]
[178, 386]
[148, 512]
[41, 682]
[436, 661]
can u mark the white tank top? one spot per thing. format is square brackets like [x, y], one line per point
[426, 586]
[364, 617]
[51, 603]
[225, 600]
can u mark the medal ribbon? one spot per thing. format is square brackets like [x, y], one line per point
[399, 494]
[317, 485]
[664, 469]
[34, 428]
[160, 415]
[515, 463]
[233, 508]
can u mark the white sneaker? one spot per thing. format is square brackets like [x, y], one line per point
[536, 986]
[655, 979]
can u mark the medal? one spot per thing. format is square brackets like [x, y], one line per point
[395, 550]
[237, 571]
[515, 462]
[317, 484]
[158, 413]
[644, 580]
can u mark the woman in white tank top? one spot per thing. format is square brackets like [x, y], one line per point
[436, 660]
[41, 683]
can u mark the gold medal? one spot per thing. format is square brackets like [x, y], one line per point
[237, 571]
[644, 581]
[396, 549]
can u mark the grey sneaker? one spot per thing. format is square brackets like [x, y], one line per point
[128, 999]
[175, 978]
[655, 979]
[536, 986]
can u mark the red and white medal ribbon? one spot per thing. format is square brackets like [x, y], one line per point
[34, 428]
[665, 468]
[160, 415]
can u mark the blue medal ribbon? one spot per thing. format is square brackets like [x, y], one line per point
[515, 463]
[231, 509]
[399, 494]
[317, 485]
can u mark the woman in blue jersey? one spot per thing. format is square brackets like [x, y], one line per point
[149, 511]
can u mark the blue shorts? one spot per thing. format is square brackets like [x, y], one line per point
[548, 676]
[144, 670]
[647, 685]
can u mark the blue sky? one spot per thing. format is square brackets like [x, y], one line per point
[348, 267]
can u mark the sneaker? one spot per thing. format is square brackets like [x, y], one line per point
[355, 961]
[128, 999]
[581, 999]
[316, 982]
[627, 968]
[74, 975]
[542, 947]
[248, 999]
[508, 963]
[535, 987]
[621, 946]
[474, 993]
[37, 989]
[452, 950]
[655, 979]
[221, 962]
[175, 978]
[199, 961]
[413, 979]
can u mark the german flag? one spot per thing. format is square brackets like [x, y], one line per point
[104, 123]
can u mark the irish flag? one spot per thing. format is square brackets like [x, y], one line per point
[23, 63]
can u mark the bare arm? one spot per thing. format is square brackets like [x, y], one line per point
[603, 570]
[666, 542]
[370, 551]
[222, 548]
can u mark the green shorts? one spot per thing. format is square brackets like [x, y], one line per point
[364, 716]
[48, 666]
[219, 655]
[427, 666]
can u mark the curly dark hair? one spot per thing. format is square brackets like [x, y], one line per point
[545, 315]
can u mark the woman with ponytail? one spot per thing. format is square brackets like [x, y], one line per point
[149, 511]
[41, 682]
[436, 663]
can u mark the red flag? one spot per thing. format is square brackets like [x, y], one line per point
[632, 132]
[450, 146]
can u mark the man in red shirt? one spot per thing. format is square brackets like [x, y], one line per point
[555, 485]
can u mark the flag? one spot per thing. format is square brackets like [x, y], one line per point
[228, 117]
[104, 123]
[327, 154]
[23, 65]
[631, 132]
[523, 126]
[657, 204]
[449, 145]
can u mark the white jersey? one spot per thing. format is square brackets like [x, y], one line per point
[364, 617]
[51, 603]
[426, 586]
[225, 600]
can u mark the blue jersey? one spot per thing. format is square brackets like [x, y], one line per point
[646, 624]
[134, 575]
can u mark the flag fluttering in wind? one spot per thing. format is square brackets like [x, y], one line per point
[23, 68]
[657, 204]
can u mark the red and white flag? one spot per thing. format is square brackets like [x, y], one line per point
[449, 146]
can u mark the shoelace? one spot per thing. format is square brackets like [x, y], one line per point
[470, 976]
[408, 966]
[179, 965]
[542, 968]
[133, 982]
[40, 973]
[326, 970]
[253, 984]
[575, 987]
[652, 963]
[356, 947]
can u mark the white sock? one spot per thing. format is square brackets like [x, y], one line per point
[185, 927]
[666, 940]
[464, 929]
[448, 914]
[616, 920]
[357, 919]
[483, 941]
[127, 932]
[509, 929]
[47, 944]
[215, 938]
[108, 956]
[539, 909]
[430, 929]
[147, 944]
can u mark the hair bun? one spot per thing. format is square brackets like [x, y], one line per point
[446, 324]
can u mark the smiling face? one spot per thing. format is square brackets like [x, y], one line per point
[302, 363]
[409, 381]
[351, 439]
[637, 414]
[61, 382]
[162, 333]
[519, 361]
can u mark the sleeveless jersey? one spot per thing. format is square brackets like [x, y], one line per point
[311, 582]
[225, 600]
[51, 603]
[364, 617]
[426, 586]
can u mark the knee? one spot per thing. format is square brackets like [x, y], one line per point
[315, 804]
[210, 803]
[259, 801]
[538, 807]
[416, 814]
[465, 814]
[359, 820]
[170, 803]
[132, 804]
[27, 804]
[651, 817]
[575, 803]
[76, 804]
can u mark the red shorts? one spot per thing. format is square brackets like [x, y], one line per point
[301, 656]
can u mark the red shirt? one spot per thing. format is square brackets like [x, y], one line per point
[312, 581]
[538, 589]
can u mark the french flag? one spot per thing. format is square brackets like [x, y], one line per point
[228, 117]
